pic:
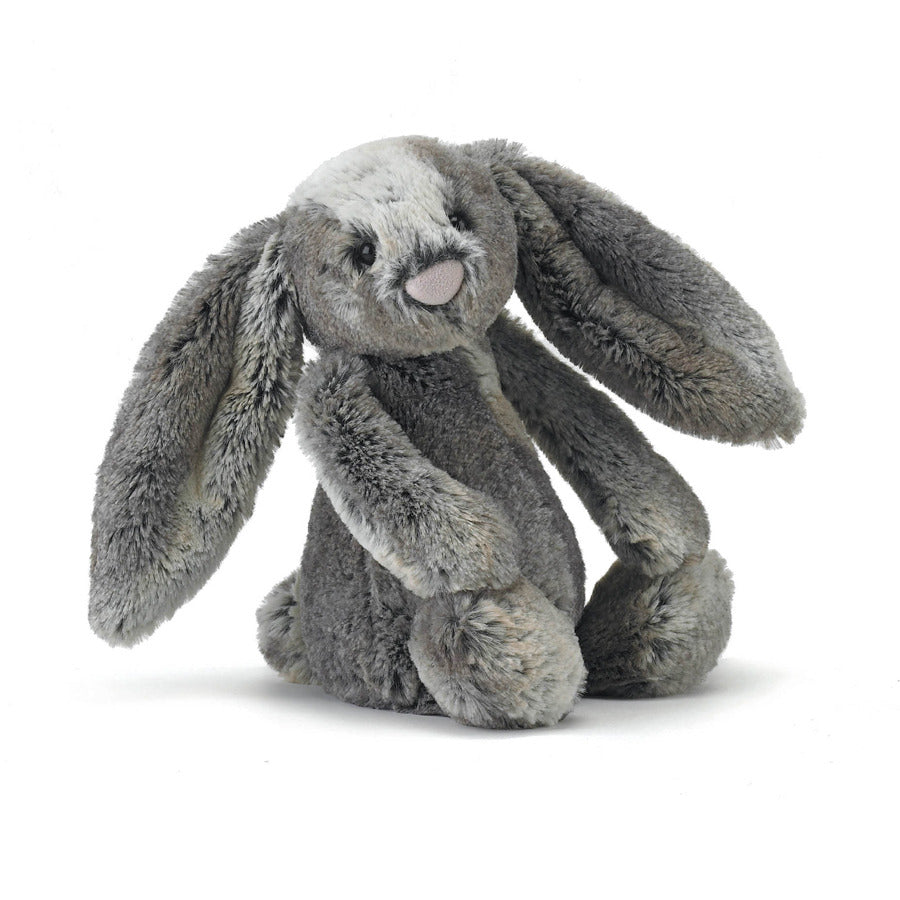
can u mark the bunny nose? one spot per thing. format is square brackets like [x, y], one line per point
[437, 284]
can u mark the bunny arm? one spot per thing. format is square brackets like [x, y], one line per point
[432, 532]
[649, 514]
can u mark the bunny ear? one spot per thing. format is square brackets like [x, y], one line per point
[195, 434]
[634, 307]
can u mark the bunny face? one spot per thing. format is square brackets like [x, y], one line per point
[402, 247]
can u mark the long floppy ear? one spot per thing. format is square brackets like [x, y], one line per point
[634, 307]
[195, 434]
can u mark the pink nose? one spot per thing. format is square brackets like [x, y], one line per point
[437, 284]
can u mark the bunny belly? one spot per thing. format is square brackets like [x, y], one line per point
[451, 408]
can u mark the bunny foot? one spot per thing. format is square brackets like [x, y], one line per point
[649, 637]
[498, 659]
[279, 634]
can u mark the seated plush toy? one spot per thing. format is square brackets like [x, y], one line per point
[440, 573]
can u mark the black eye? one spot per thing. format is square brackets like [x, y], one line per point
[364, 254]
[459, 221]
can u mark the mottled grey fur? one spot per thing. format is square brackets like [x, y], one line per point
[647, 512]
[647, 637]
[500, 659]
[440, 573]
[198, 426]
[631, 305]
[445, 536]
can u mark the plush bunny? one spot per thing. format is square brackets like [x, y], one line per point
[440, 573]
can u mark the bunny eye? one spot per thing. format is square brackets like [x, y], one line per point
[459, 221]
[364, 255]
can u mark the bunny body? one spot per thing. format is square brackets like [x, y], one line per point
[440, 572]
[511, 527]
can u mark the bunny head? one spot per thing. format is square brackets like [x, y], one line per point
[410, 246]
[403, 248]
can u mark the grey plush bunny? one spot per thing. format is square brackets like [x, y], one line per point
[440, 573]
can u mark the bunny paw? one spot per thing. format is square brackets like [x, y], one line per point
[280, 640]
[498, 659]
[649, 637]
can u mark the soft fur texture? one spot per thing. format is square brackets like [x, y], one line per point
[196, 432]
[440, 573]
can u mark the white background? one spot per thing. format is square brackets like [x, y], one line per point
[137, 139]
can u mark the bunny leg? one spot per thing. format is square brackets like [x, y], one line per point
[280, 637]
[650, 636]
[342, 622]
[498, 658]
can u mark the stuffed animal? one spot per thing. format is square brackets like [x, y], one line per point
[440, 573]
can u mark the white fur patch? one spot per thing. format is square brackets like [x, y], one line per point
[387, 192]
[381, 174]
